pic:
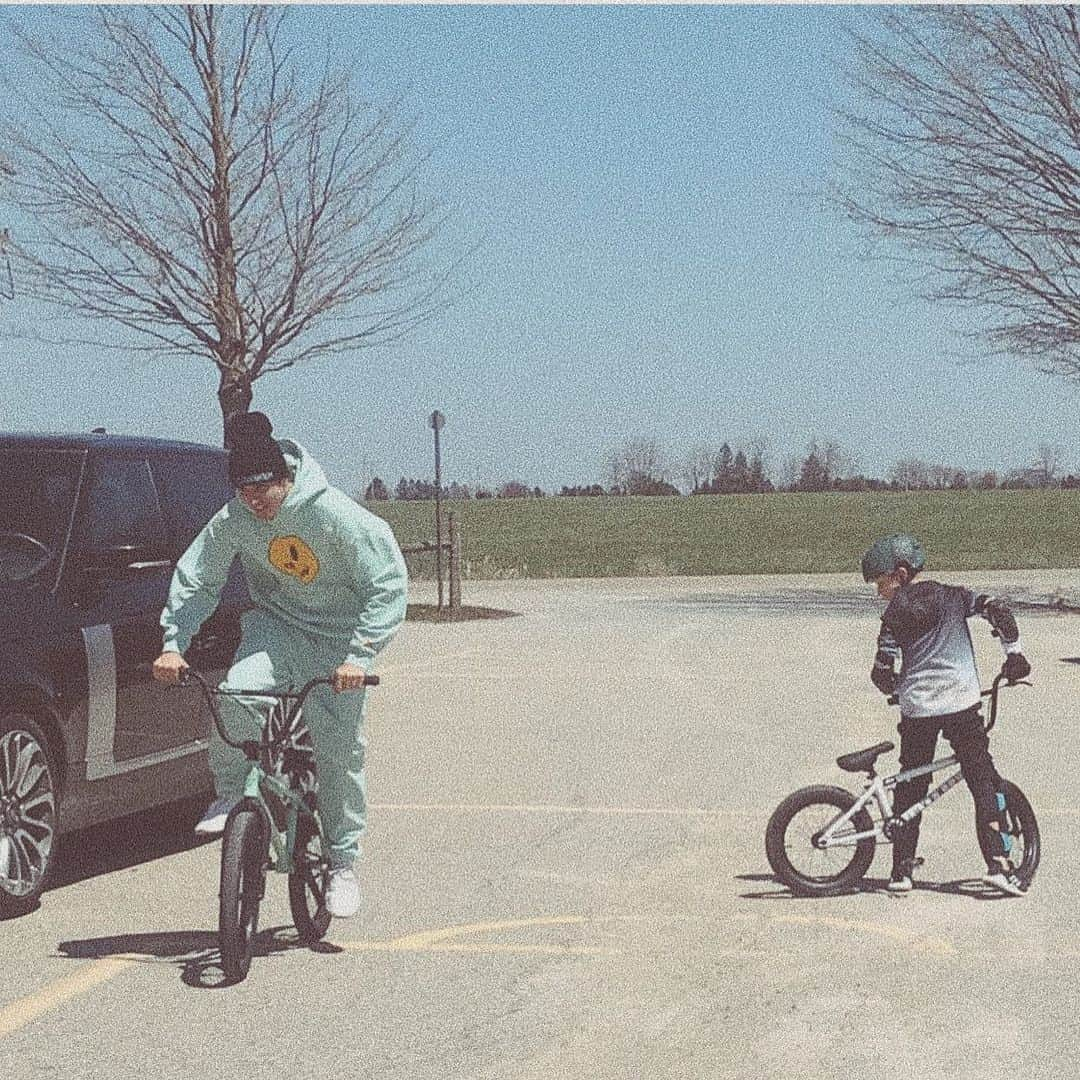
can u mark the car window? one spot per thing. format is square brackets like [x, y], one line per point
[122, 505]
[193, 488]
[37, 496]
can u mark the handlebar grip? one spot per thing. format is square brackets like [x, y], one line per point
[893, 699]
[371, 680]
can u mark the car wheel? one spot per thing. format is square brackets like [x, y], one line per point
[27, 813]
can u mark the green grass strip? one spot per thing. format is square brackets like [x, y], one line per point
[779, 533]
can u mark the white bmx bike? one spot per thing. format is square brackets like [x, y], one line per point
[821, 840]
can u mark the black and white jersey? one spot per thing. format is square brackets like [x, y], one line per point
[925, 626]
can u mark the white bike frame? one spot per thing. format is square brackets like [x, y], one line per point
[879, 793]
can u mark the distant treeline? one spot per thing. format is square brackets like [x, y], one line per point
[639, 468]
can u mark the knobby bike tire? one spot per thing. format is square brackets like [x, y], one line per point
[1021, 824]
[791, 854]
[308, 881]
[243, 878]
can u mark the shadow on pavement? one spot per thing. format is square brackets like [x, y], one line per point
[195, 952]
[461, 613]
[971, 888]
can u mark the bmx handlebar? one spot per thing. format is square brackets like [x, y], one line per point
[296, 698]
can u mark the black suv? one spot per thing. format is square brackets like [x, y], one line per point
[91, 527]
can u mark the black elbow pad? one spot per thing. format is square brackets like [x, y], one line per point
[998, 615]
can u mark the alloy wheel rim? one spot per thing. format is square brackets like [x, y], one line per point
[27, 813]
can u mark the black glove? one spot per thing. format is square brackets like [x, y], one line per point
[1015, 667]
[884, 678]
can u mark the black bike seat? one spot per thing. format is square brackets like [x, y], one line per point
[863, 760]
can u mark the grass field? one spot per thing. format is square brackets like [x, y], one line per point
[744, 534]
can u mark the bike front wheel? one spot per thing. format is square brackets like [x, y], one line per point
[1021, 826]
[794, 855]
[243, 880]
[308, 881]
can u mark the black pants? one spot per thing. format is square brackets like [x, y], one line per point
[918, 743]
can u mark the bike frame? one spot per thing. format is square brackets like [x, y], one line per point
[878, 792]
[258, 781]
[282, 843]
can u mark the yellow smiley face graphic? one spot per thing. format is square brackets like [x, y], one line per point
[292, 556]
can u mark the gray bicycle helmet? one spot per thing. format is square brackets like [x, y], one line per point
[890, 552]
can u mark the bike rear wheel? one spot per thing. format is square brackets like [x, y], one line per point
[1023, 828]
[308, 881]
[804, 867]
[243, 880]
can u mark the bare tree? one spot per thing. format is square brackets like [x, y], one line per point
[1048, 462]
[7, 281]
[790, 472]
[638, 467]
[697, 467]
[176, 176]
[966, 149]
[910, 473]
[839, 464]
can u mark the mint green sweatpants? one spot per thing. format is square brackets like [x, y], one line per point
[274, 655]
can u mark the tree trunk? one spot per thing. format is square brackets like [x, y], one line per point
[234, 395]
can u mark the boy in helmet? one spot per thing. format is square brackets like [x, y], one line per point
[925, 627]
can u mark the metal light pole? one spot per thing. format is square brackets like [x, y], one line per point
[437, 423]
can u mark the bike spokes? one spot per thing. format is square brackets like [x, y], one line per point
[308, 882]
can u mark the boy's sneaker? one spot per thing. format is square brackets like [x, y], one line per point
[212, 823]
[900, 882]
[1005, 882]
[343, 893]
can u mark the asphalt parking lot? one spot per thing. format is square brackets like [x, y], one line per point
[565, 870]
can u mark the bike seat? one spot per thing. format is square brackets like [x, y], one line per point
[863, 760]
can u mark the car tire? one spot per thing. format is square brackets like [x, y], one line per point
[28, 819]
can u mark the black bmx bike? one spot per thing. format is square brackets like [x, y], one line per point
[275, 826]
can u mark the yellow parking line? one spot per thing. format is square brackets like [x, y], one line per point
[442, 939]
[20, 1013]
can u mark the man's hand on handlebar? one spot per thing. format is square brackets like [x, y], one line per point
[348, 677]
[168, 666]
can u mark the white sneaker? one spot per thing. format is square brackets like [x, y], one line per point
[212, 823]
[343, 893]
[1009, 884]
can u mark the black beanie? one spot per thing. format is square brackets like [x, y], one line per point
[254, 455]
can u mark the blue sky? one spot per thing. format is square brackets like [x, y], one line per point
[653, 262]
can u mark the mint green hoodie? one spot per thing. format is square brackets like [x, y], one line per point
[324, 565]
